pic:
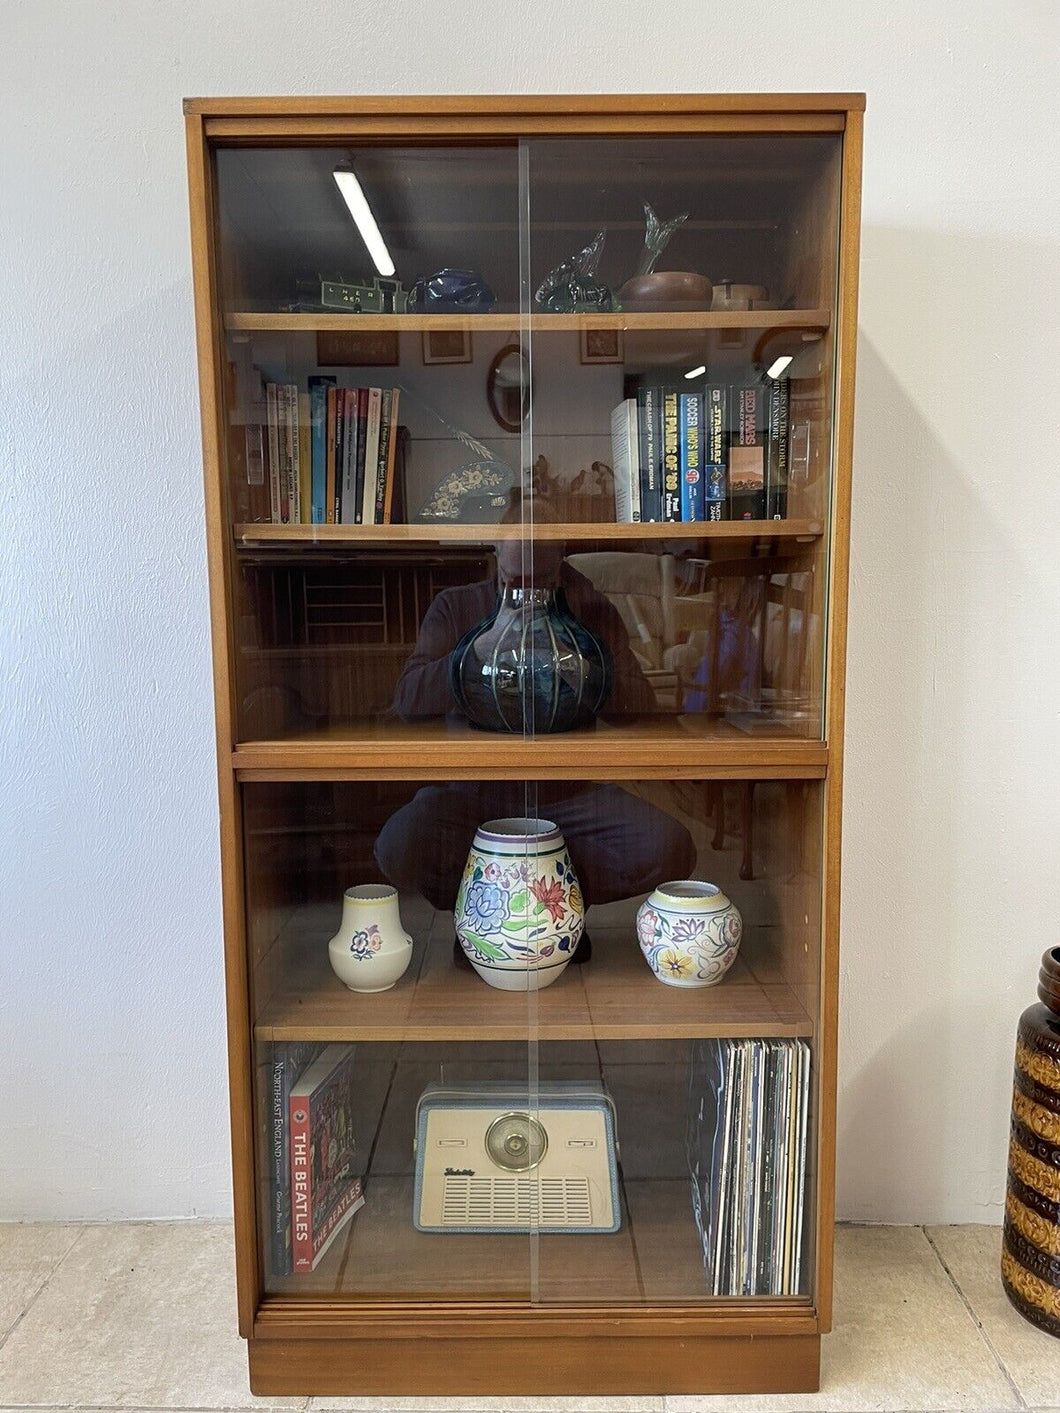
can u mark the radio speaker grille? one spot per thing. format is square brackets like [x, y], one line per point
[524, 1201]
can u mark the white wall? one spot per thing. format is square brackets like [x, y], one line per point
[111, 998]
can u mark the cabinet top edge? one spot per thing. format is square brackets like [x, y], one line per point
[530, 104]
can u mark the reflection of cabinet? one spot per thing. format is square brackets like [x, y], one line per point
[723, 761]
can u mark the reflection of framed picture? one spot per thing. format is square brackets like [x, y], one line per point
[446, 346]
[600, 346]
[358, 348]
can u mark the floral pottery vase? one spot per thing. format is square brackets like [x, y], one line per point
[689, 933]
[371, 950]
[519, 910]
[1030, 1253]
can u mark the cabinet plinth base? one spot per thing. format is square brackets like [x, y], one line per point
[577, 1365]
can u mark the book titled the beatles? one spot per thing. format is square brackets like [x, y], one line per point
[714, 452]
[325, 1187]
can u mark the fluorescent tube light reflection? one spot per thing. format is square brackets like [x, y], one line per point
[361, 212]
[697, 372]
[775, 369]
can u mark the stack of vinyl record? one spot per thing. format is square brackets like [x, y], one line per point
[747, 1144]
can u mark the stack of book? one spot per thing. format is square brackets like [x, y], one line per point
[313, 1189]
[326, 455]
[747, 1150]
[720, 452]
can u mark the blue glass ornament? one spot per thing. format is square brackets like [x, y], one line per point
[451, 292]
[530, 666]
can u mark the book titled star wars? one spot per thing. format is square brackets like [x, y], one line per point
[325, 1187]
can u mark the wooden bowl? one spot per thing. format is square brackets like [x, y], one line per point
[666, 289]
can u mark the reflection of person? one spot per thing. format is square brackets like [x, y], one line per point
[620, 845]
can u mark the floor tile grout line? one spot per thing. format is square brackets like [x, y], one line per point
[45, 1283]
[1021, 1401]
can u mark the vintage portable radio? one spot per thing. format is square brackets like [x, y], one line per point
[488, 1162]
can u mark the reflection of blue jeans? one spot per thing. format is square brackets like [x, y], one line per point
[620, 845]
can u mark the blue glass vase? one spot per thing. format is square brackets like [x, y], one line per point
[530, 666]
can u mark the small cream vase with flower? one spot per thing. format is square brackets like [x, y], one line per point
[371, 950]
[689, 933]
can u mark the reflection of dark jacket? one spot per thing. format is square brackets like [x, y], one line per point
[423, 687]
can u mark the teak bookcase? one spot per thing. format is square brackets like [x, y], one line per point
[734, 630]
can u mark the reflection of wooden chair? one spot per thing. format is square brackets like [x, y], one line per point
[724, 639]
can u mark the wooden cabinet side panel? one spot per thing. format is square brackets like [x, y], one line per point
[846, 346]
[210, 363]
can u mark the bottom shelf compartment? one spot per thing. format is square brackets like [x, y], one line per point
[654, 1257]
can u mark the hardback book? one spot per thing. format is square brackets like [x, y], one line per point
[671, 453]
[648, 429]
[625, 457]
[778, 448]
[329, 470]
[318, 434]
[305, 459]
[290, 444]
[357, 518]
[277, 473]
[371, 455]
[349, 456]
[384, 495]
[747, 453]
[286, 1062]
[715, 452]
[325, 1188]
[691, 453]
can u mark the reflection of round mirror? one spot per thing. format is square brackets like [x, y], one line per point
[508, 387]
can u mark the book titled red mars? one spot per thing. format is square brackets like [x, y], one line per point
[325, 1192]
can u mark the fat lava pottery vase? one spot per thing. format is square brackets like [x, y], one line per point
[371, 950]
[519, 909]
[1030, 1254]
[689, 933]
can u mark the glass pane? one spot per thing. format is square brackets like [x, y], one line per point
[374, 425]
[682, 321]
[622, 1062]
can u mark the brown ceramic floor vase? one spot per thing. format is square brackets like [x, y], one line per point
[1030, 1257]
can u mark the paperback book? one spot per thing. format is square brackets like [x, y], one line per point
[325, 1190]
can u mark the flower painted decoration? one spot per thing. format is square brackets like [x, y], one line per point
[486, 903]
[673, 963]
[365, 942]
[551, 896]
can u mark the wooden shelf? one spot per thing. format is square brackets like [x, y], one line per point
[612, 997]
[633, 748]
[723, 531]
[277, 322]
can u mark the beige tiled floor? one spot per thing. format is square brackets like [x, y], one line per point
[141, 1317]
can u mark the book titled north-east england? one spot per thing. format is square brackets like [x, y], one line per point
[777, 460]
[649, 436]
[625, 457]
[671, 453]
[747, 453]
[371, 455]
[691, 436]
[285, 1064]
[318, 449]
[325, 1190]
[715, 452]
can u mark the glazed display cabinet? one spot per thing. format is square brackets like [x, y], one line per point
[527, 438]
